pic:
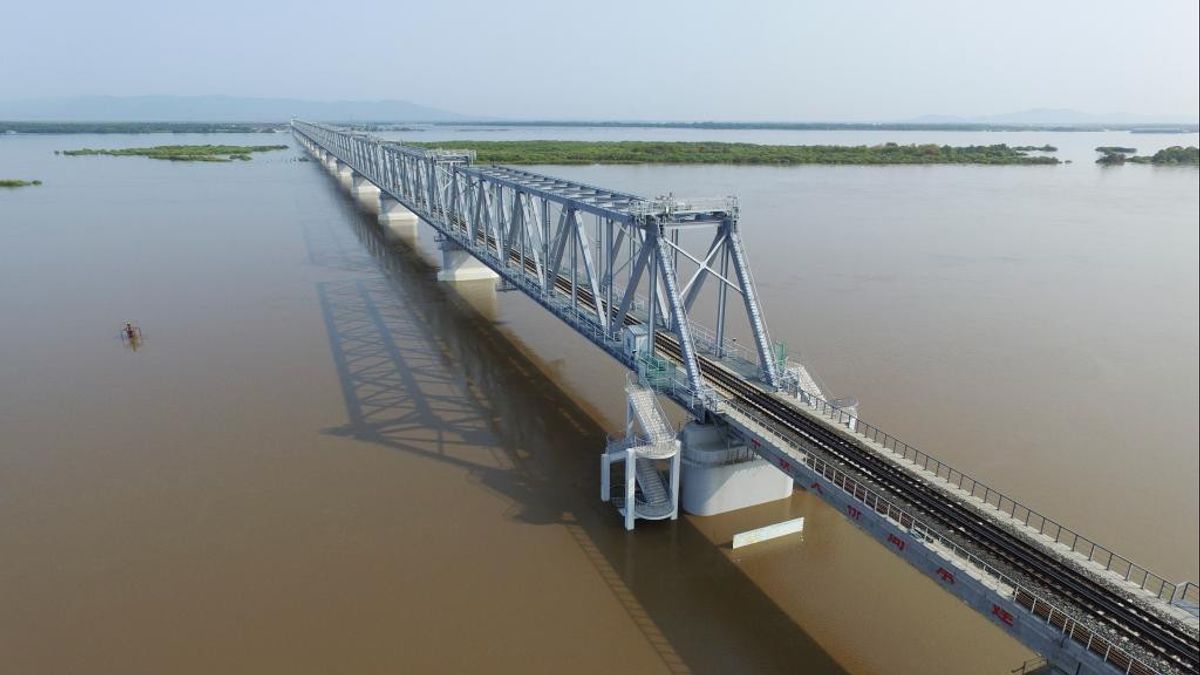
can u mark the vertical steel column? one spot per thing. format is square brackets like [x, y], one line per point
[682, 330]
[651, 244]
[753, 311]
[630, 484]
[572, 236]
[722, 293]
[608, 274]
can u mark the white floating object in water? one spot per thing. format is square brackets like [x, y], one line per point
[769, 532]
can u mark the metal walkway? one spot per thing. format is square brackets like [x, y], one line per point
[644, 403]
[606, 262]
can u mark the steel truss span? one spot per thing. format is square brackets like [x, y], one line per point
[603, 260]
[624, 249]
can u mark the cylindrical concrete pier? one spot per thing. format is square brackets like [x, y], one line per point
[718, 478]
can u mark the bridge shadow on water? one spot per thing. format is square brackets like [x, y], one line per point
[423, 372]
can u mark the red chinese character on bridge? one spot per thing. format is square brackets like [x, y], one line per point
[896, 541]
[1002, 614]
[784, 464]
[946, 575]
[817, 487]
[854, 512]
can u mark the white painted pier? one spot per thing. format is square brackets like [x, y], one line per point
[398, 223]
[459, 265]
[365, 192]
[721, 474]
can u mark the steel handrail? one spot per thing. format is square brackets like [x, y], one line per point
[1162, 588]
[1109, 651]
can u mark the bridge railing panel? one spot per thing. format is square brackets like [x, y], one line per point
[1008, 587]
[1137, 574]
[1188, 597]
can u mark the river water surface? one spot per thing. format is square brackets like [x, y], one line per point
[321, 459]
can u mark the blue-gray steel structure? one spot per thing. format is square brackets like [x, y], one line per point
[601, 259]
[629, 250]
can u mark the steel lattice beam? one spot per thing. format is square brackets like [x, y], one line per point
[598, 258]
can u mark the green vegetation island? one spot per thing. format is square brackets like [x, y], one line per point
[650, 152]
[182, 153]
[1109, 149]
[13, 127]
[1036, 148]
[14, 183]
[1173, 156]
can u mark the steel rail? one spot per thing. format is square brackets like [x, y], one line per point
[1163, 640]
[1177, 647]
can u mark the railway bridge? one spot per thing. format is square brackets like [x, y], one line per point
[631, 274]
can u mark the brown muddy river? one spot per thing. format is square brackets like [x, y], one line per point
[322, 460]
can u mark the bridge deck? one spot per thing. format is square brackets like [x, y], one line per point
[992, 552]
[795, 435]
[934, 552]
[1052, 544]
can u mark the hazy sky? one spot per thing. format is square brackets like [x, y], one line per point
[676, 59]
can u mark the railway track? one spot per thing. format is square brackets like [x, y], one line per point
[1160, 638]
[1174, 646]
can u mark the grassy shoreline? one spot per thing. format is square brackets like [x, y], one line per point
[652, 152]
[181, 153]
[16, 183]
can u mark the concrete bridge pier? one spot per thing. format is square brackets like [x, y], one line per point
[721, 474]
[398, 223]
[365, 192]
[459, 265]
[345, 174]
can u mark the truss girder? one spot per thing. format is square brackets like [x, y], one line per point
[586, 253]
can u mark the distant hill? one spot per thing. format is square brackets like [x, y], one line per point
[1042, 116]
[215, 109]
